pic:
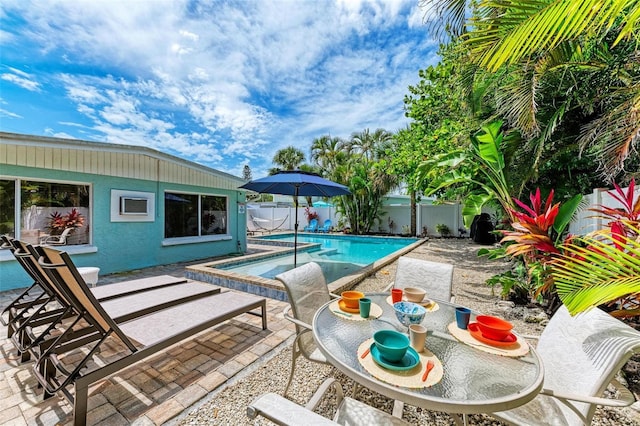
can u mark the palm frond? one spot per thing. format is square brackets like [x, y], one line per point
[445, 16]
[593, 271]
[616, 132]
[506, 32]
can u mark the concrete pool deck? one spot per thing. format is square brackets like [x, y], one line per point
[208, 272]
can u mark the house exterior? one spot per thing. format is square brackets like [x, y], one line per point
[130, 207]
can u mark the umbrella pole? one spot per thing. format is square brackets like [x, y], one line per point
[295, 230]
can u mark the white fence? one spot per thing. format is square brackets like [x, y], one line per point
[588, 221]
[395, 219]
[428, 216]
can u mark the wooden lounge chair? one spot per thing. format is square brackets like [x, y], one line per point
[62, 365]
[350, 412]
[30, 323]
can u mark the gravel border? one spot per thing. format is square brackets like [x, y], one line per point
[228, 405]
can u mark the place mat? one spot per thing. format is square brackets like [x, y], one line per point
[408, 379]
[519, 348]
[431, 308]
[375, 312]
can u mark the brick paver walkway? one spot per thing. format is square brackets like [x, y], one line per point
[155, 390]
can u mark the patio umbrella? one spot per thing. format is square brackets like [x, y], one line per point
[296, 183]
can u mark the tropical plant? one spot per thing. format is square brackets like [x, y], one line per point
[603, 267]
[535, 236]
[58, 222]
[443, 230]
[362, 165]
[579, 68]
[289, 158]
[482, 168]
[540, 228]
[310, 215]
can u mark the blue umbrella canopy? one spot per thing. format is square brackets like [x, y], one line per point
[296, 183]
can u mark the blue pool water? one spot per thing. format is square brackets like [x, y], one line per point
[338, 255]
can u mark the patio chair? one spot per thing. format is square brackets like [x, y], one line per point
[350, 412]
[436, 278]
[67, 363]
[30, 300]
[581, 356]
[122, 299]
[307, 291]
[56, 240]
[326, 227]
[312, 226]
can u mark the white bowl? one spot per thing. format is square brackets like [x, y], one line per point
[414, 294]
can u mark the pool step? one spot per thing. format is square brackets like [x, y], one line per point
[327, 252]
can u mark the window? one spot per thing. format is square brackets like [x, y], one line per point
[45, 208]
[8, 207]
[50, 208]
[193, 215]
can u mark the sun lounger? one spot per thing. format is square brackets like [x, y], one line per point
[44, 313]
[60, 366]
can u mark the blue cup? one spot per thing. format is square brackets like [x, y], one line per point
[462, 317]
[365, 307]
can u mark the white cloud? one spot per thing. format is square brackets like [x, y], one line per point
[228, 81]
[21, 79]
[9, 114]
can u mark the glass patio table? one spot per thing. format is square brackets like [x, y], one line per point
[474, 381]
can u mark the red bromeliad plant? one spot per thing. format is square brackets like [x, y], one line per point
[531, 235]
[58, 223]
[535, 238]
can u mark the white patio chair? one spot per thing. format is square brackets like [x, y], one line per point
[581, 356]
[436, 278]
[350, 412]
[307, 291]
[56, 240]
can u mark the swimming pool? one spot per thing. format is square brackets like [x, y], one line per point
[356, 249]
[344, 259]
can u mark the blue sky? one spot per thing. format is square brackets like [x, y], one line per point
[221, 83]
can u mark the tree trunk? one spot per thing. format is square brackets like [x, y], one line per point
[413, 213]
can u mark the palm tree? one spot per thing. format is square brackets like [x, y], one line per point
[366, 143]
[327, 152]
[289, 158]
[525, 41]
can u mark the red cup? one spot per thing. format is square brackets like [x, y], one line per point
[396, 295]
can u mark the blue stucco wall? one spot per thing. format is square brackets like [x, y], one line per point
[125, 246]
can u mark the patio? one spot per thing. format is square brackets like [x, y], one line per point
[153, 391]
[212, 378]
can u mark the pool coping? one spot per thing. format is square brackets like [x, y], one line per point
[274, 289]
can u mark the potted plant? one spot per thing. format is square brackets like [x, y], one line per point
[310, 215]
[58, 222]
[443, 230]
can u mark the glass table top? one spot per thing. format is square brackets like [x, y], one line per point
[474, 381]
